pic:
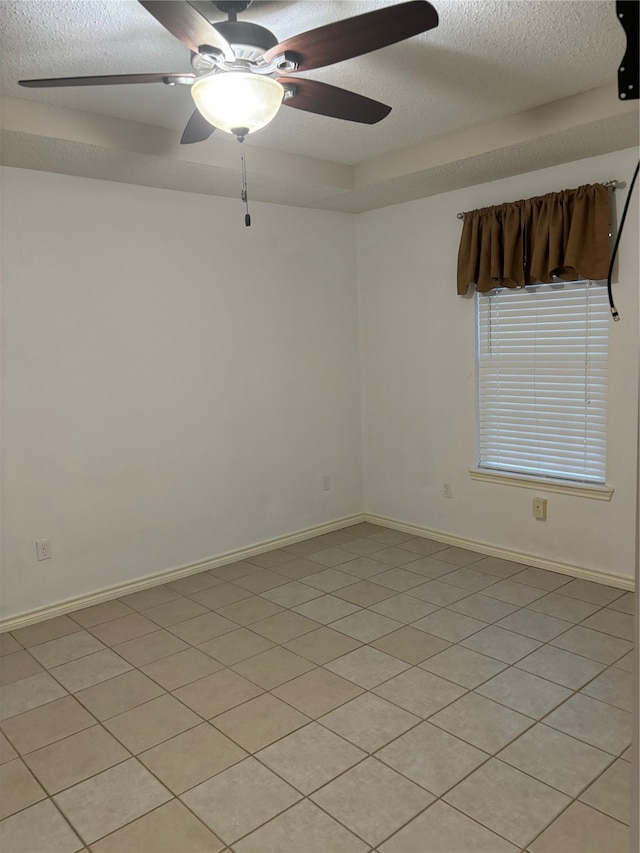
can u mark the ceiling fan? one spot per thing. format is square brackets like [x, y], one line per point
[241, 73]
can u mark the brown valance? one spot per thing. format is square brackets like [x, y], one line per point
[563, 235]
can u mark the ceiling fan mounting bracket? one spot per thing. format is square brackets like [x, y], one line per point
[232, 8]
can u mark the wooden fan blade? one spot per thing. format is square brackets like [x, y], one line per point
[188, 25]
[315, 97]
[355, 36]
[197, 130]
[106, 80]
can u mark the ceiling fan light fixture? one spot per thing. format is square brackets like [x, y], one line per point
[237, 99]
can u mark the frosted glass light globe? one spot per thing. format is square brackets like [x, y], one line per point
[237, 99]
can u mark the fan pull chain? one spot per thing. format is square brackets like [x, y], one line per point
[243, 194]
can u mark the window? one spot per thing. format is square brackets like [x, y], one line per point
[542, 381]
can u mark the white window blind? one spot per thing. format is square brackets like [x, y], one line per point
[542, 381]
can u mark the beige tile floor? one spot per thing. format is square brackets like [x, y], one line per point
[365, 690]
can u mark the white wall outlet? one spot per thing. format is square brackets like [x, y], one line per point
[326, 482]
[540, 509]
[43, 549]
[447, 491]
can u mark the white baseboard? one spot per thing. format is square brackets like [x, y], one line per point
[11, 623]
[21, 620]
[607, 578]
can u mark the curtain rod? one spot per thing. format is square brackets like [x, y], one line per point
[609, 184]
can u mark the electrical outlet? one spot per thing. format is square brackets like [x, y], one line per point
[447, 491]
[326, 482]
[540, 509]
[43, 549]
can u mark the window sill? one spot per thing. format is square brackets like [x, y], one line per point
[581, 490]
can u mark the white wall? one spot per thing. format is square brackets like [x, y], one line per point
[418, 370]
[174, 384]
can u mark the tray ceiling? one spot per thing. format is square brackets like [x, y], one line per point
[495, 77]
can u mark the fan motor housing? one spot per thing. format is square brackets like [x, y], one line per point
[233, 7]
[249, 41]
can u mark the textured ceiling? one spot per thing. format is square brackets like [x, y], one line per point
[487, 62]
